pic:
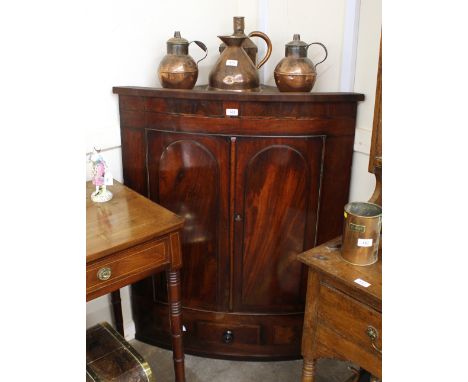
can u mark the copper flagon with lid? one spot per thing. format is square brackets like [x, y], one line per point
[248, 45]
[234, 70]
[178, 70]
[296, 72]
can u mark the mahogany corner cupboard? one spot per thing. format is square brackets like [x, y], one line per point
[259, 177]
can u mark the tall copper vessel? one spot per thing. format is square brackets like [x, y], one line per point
[361, 233]
[178, 70]
[248, 45]
[234, 69]
[296, 72]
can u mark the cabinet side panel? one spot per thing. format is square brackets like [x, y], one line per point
[335, 189]
[134, 159]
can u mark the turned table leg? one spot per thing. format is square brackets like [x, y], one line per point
[174, 294]
[117, 309]
[308, 370]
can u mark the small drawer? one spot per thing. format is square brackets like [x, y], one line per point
[228, 334]
[115, 268]
[350, 318]
[326, 338]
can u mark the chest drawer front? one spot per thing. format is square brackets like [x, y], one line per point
[116, 268]
[349, 318]
[228, 334]
[348, 350]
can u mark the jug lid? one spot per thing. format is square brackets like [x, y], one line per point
[296, 47]
[296, 41]
[177, 39]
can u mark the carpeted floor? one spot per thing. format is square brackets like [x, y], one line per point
[198, 369]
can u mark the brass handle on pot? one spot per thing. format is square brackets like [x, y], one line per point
[104, 273]
[373, 335]
[201, 46]
[269, 46]
[323, 46]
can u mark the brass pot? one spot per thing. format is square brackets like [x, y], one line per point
[178, 70]
[234, 69]
[361, 233]
[248, 45]
[296, 72]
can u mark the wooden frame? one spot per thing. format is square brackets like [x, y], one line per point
[375, 156]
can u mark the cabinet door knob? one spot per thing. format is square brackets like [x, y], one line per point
[104, 273]
[373, 335]
[228, 336]
[237, 217]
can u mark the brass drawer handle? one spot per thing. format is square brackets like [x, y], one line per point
[104, 273]
[373, 335]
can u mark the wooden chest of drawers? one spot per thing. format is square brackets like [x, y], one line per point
[343, 317]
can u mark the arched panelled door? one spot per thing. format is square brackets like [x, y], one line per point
[276, 203]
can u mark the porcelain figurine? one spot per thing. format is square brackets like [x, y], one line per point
[102, 178]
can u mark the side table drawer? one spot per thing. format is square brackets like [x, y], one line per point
[116, 268]
[350, 320]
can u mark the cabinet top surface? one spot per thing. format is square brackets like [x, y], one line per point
[326, 260]
[267, 93]
[126, 220]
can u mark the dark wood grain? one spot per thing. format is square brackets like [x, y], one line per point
[278, 182]
[279, 336]
[189, 175]
[134, 166]
[117, 309]
[255, 189]
[175, 308]
[267, 93]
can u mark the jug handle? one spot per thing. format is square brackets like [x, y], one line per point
[269, 46]
[323, 46]
[201, 46]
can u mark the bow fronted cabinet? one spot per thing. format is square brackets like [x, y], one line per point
[258, 177]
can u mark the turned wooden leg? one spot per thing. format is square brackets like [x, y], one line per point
[174, 294]
[308, 370]
[117, 309]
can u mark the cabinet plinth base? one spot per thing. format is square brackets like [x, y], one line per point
[251, 337]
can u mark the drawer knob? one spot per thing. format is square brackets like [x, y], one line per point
[228, 337]
[373, 335]
[237, 217]
[104, 273]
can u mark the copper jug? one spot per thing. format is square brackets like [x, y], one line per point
[248, 45]
[178, 70]
[296, 72]
[234, 69]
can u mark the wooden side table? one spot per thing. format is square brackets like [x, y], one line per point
[343, 316]
[130, 238]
